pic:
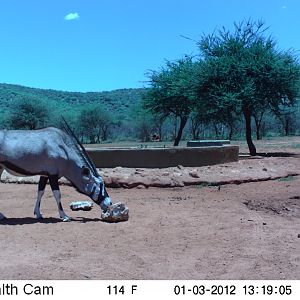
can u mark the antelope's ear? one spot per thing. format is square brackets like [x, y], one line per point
[85, 172]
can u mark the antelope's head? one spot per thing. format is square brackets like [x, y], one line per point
[93, 186]
[91, 183]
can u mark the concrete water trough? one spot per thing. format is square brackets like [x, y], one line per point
[207, 143]
[163, 157]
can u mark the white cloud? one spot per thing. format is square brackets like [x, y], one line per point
[72, 16]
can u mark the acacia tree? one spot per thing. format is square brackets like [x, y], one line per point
[143, 124]
[94, 123]
[171, 92]
[196, 126]
[243, 72]
[287, 117]
[28, 113]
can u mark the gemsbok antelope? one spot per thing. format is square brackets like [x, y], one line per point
[52, 153]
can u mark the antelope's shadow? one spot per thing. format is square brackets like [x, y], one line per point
[31, 220]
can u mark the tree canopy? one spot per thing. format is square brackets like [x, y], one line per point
[172, 91]
[94, 123]
[238, 73]
[28, 113]
[238, 76]
[244, 73]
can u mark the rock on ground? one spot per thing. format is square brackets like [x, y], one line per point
[246, 170]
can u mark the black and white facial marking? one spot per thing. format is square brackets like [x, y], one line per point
[95, 189]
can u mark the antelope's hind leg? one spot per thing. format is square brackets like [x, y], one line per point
[41, 190]
[57, 195]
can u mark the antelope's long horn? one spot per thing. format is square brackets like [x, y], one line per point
[85, 155]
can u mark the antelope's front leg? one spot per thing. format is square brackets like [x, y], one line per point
[53, 179]
[41, 190]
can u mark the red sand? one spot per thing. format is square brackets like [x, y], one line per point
[246, 231]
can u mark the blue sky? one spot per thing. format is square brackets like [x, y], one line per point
[96, 45]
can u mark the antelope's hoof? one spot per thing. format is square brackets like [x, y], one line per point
[38, 217]
[66, 219]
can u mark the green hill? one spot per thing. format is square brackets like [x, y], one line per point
[119, 103]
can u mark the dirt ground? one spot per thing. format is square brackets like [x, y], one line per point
[234, 231]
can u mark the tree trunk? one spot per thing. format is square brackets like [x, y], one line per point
[258, 135]
[287, 126]
[216, 130]
[104, 130]
[194, 132]
[230, 128]
[92, 139]
[195, 128]
[251, 146]
[230, 132]
[258, 127]
[197, 134]
[160, 132]
[174, 128]
[182, 124]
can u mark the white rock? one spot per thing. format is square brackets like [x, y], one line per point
[117, 212]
